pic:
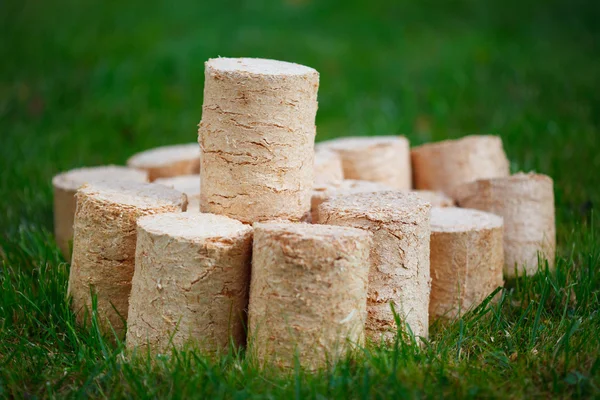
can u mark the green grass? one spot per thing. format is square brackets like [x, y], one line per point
[87, 83]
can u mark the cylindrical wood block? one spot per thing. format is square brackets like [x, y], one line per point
[168, 161]
[324, 191]
[383, 159]
[328, 167]
[66, 185]
[399, 272]
[188, 184]
[436, 199]
[466, 259]
[190, 284]
[444, 165]
[104, 244]
[526, 202]
[257, 139]
[307, 294]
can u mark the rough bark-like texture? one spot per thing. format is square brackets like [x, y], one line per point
[526, 202]
[328, 167]
[188, 184]
[399, 257]
[168, 161]
[257, 139]
[190, 284]
[308, 293]
[444, 165]
[104, 244]
[383, 159]
[324, 191]
[466, 259]
[66, 185]
[436, 199]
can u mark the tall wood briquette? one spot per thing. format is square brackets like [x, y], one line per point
[190, 285]
[399, 273]
[382, 159]
[257, 139]
[168, 161]
[66, 185]
[307, 294]
[104, 245]
[449, 163]
[526, 202]
[466, 259]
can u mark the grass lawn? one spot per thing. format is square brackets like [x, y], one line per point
[91, 82]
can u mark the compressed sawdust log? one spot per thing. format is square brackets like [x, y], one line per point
[66, 185]
[324, 191]
[257, 139]
[444, 165]
[188, 184]
[526, 202]
[190, 285]
[168, 161]
[467, 259]
[382, 159]
[104, 244]
[399, 272]
[328, 167]
[307, 294]
[435, 198]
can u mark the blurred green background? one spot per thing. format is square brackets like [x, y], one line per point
[91, 82]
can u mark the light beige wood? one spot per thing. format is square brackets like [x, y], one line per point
[257, 139]
[188, 184]
[190, 285]
[435, 198]
[382, 159]
[399, 272]
[168, 161]
[467, 259]
[446, 164]
[66, 185]
[324, 191]
[526, 202]
[328, 167]
[308, 293]
[104, 245]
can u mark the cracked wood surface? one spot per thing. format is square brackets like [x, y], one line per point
[526, 202]
[104, 245]
[65, 186]
[399, 258]
[196, 268]
[257, 138]
[308, 293]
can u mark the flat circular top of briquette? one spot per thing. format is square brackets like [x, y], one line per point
[460, 142]
[361, 142]
[75, 178]
[520, 177]
[384, 206]
[314, 231]
[454, 219]
[188, 184]
[347, 186]
[258, 66]
[193, 226]
[143, 195]
[165, 155]
[436, 198]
